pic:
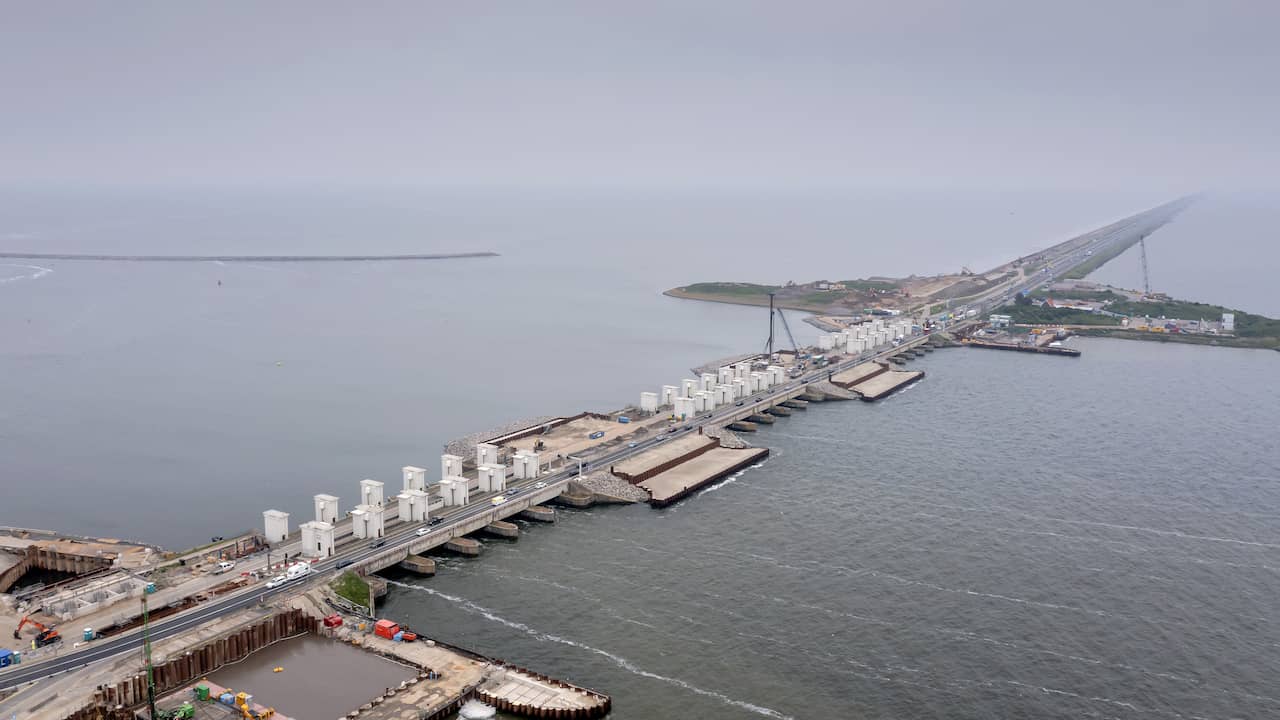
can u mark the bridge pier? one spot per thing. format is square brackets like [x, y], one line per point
[537, 513]
[502, 529]
[464, 546]
[419, 565]
[762, 418]
[742, 426]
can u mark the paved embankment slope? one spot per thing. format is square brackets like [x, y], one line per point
[679, 481]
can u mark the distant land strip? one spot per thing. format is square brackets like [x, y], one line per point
[242, 258]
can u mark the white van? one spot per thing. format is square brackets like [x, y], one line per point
[224, 566]
[297, 570]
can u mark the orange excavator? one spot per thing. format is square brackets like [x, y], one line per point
[45, 635]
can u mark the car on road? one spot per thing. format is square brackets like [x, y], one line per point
[276, 582]
[343, 563]
[539, 485]
[673, 430]
[707, 416]
[422, 531]
[377, 543]
[631, 444]
[499, 500]
[739, 403]
[435, 521]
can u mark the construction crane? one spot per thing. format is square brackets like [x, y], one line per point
[186, 710]
[146, 652]
[45, 635]
[1146, 279]
[768, 345]
[785, 326]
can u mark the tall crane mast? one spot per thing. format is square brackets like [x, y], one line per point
[146, 649]
[1146, 279]
[768, 346]
[794, 348]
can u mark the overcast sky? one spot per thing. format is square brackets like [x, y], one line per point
[1158, 94]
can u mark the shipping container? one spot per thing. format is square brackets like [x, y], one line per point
[386, 629]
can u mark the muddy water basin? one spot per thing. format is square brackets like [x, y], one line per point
[320, 678]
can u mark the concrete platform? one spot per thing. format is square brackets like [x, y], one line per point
[855, 375]
[742, 426]
[671, 485]
[645, 464]
[762, 419]
[779, 411]
[796, 404]
[886, 382]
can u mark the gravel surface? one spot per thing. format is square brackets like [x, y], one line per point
[465, 446]
[606, 484]
[715, 365]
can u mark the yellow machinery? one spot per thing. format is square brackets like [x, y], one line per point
[242, 702]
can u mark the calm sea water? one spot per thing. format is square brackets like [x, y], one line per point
[1014, 537]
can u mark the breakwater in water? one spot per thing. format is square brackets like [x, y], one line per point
[242, 258]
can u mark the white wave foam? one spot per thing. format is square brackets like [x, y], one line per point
[39, 272]
[618, 660]
[727, 481]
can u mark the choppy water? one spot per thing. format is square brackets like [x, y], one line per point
[1016, 536]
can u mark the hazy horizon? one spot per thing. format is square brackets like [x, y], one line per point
[986, 94]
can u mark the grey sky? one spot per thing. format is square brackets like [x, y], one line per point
[1162, 94]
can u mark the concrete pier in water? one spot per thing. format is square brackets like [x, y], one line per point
[537, 513]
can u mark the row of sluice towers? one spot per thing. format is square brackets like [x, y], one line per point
[865, 336]
[729, 384]
[413, 503]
